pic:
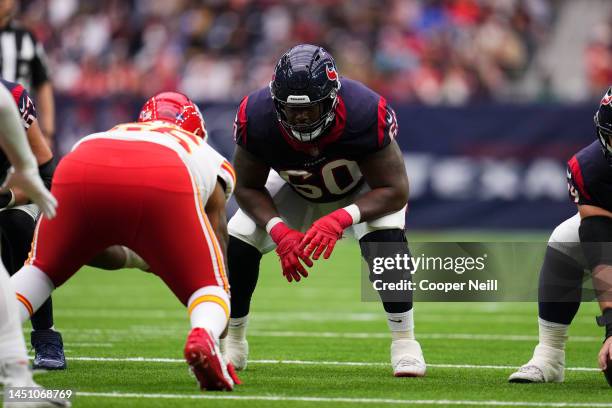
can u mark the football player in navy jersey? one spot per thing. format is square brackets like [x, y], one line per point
[316, 157]
[581, 242]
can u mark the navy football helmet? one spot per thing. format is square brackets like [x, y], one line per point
[603, 123]
[305, 91]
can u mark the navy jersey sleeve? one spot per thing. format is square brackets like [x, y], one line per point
[575, 184]
[590, 178]
[254, 122]
[240, 124]
[24, 103]
[386, 124]
[371, 123]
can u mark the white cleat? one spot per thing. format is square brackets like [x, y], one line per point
[235, 351]
[546, 365]
[18, 374]
[407, 358]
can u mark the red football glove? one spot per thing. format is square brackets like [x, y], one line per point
[288, 250]
[324, 233]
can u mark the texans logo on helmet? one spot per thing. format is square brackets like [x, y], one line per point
[332, 75]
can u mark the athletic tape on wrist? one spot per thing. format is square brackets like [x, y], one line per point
[272, 223]
[354, 212]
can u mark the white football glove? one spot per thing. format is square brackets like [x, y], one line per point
[29, 181]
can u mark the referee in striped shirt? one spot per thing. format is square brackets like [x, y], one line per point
[22, 60]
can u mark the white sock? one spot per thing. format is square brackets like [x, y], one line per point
[12, 345]
[237, 327]
[32, 287]
[552, 334]
[209, 308]
[401, 325]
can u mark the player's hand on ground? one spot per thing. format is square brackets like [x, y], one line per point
[605, 354]
[29, 181]
[288, 250]
[324, 233]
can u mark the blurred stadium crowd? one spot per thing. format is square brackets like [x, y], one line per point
[599, 56]
[429, 51]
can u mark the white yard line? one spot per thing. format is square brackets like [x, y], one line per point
[474, 315]
[86, 344]
[307, 362]
[159, 331]
[430, 336]
[273, 398]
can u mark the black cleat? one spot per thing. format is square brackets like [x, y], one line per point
[49, 350]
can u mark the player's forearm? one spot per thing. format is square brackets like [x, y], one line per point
[257, 204]
[112, 258]
[18, 196]
[46, 106]
[602, 282]
[385, 173]
[219, 225]
[380, 202]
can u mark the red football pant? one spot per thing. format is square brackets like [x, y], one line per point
[136, 194]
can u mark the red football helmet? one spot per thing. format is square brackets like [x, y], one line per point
[176, 108]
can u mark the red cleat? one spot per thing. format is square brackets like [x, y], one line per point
[206, 362]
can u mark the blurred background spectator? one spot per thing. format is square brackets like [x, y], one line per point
[23, 61]
[492, 96]
[429, 51]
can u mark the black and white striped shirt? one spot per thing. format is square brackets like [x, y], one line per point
[22, 57]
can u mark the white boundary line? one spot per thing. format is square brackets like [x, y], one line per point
[307, 362]
[343, 400]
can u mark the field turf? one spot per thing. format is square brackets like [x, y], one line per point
[313, 343]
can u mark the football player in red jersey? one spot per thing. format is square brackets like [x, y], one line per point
[582, 242]
[121, 184]
[316, 158]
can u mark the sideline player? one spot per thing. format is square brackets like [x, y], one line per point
[17, 222]
[581, 242]
[158, 188]
[23, 175]
[337, 167]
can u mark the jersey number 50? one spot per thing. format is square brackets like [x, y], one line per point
[338, 178]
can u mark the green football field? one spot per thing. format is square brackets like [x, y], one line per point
[312, 344]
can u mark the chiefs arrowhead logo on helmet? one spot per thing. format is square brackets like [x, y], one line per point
[332, 75]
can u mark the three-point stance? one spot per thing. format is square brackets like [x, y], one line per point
[582, 242]
[117, 188]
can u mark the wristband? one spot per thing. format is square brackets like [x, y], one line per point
[272, 223]
[354, 212]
